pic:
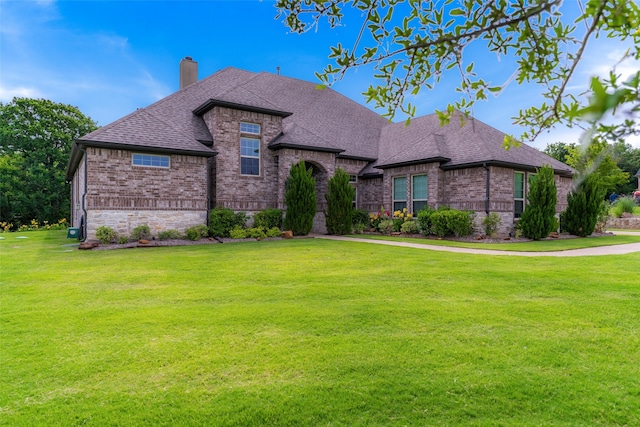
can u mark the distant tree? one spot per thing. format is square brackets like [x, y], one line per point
[559, 150]
[597, 158]
[300, 198]
[35, 140]
[628, 160]
[538, 218]
[412, 46]
[583, 208]
[339, 198]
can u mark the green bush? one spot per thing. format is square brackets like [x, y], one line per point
[123, 240]
[623, 205]
[106, 234]
[424, 220]
[238, 232]
[141, 232]
[490, 223]
[583, 206]
[273, 232]
[538, 218]
[360, 216]
[603, 217]
[196, 232]
[409, 227]
[339, 196]
[256, 233]
[386, 226]
[300, 198]
[169, 235]
[268, 218]
[359, 228]
[448, 222]
[223, 220]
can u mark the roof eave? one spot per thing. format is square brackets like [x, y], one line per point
[211, 103]
[414, 162]
[280, 145]
[499, 163]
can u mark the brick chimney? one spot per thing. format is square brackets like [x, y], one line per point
[188, 71]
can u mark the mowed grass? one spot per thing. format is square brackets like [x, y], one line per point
[314, 332]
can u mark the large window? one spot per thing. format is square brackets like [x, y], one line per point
[419, 192]
[399, 193]
[150, 160]
[518, 194]
[251, 128]
[249, 156]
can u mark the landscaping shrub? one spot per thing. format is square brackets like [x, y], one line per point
[300, 198]
[339, 197]
[141, 232]
[223, 220]
[106, 234]
[169, 235]
[273, 232]
[491, 223]
[123, 240]
[603, 217]
[386, 226]
[196, 232]
[424, 220]
[538, 218]
[399, 218]
[447, 222]
[583, 206]
[624, 205]
[409, 227]
[238, 232]
[256, 233]
[376, 218]
[268, 218]
[359, 228]
[360, 216]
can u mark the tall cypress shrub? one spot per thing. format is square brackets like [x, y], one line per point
[339, 196]
[538, 218]
[300, 198]
[583, 206]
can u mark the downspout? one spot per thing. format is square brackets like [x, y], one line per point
[488, 188]
[83, 219]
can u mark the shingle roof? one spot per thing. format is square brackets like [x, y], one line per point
[313, 118]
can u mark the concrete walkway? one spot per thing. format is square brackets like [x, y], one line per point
[600, 250]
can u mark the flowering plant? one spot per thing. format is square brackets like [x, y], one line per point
[376, 218]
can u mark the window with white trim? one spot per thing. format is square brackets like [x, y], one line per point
[150, 160]
[419, 192]
[399, 193]
[249, 156]
[355, 198]
[353, 178]
[252, 128]
[518, 194]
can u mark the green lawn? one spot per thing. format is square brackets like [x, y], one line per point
[314, 332]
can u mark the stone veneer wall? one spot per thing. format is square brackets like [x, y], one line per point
[123, 196]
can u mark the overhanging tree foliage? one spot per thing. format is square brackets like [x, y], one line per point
[411, 45]
[597, 158]
[538, 218]
[300, 198]
[339, 196]
[35, 140]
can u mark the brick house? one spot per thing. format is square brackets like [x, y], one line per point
[230, 139]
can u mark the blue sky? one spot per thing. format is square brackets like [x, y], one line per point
[110, 57]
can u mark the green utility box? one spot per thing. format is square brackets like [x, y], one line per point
[73, 233]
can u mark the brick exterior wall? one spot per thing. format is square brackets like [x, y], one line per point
[370, 194]
[123, 196]
[434, 182]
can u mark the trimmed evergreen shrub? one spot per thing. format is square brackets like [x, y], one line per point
[491, 223]
[238, 232]
[538, 218]
[170, 234]
[273, 232]
[222, 221]
[339, 196]
[583, 207]
[106, 234]
[300, 198]
[447, 222]
[268, 218]
[424, 220]
[141, 232]
[196, 232]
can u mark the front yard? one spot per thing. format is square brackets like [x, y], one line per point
[314, 332]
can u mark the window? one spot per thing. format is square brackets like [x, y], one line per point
[353, 178]
[249, 156]
[250, 128]
[518, 194]
[399, 193]
[150, 160]
[419, 192]
[355, 198]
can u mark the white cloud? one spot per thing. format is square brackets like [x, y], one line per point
[8, 93]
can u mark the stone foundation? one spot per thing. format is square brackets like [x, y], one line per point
[125, 221]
